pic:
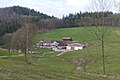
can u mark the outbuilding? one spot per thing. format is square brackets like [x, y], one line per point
[75, 46]
[67, 39]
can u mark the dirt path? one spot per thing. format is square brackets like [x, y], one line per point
[60, 54]
[12, 56]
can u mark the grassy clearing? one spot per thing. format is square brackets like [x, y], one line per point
[78, 34]
[45, 68]
[112, 56]
[7, 53]
[50, 67]
[58, 34]
[93, 52]
[43, 52]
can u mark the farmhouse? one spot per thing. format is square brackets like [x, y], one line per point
[62, 45]
[48, 43]
[75, 46]
[65, 45]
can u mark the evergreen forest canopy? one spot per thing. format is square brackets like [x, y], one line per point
[11, 18]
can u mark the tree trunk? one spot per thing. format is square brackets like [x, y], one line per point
[25, 53]
[9, 48]
[85, 63]
[103, 57]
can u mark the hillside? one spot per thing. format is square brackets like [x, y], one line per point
[11, 18]
[49, 66]
[92, 53]
[78, 34]
[17, 12]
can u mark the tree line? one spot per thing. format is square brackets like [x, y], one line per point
[80, 20]
[12, 17]
[9, 26]
[21, 39]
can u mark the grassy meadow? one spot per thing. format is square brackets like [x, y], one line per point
[7, 53]
[50, 67]
[78, 34]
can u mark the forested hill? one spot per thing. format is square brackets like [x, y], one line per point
[14, 12]
[11, 18]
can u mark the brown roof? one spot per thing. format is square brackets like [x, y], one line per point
[62, 43]
[48, 41]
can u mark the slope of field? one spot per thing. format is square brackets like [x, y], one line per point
[7, 53]
[50, 67]
[78, 34]
[42, 68]
[93, 52]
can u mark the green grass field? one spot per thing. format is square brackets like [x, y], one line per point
[7, 53]
[50, 67]
[41, 69]
[78, 34]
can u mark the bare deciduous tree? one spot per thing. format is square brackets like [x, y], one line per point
[22, 39]
[100, 30]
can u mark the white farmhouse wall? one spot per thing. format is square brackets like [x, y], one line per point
[78, 48]
[68, 48]
[75, 48]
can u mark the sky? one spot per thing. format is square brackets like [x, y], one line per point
[57, 8]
